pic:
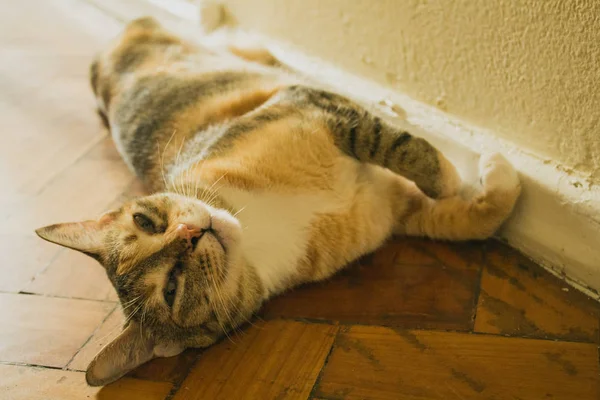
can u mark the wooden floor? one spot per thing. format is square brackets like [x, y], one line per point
[417, 320]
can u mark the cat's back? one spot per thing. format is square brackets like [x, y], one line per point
[157, 91]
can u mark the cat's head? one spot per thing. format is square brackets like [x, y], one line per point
[176, 266]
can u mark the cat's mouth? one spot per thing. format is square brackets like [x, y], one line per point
[215, 235]
[225, 230]
[195, 241]
[172, 284]
[213, 230]
[209, 231]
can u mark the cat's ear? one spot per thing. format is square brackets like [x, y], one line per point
[86, 236]
[130, 349]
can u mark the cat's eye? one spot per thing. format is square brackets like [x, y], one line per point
[144, 223]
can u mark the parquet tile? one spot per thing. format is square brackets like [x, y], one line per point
[30, 383]
[69, 267]
[408, 283]
[107, 330]
[382, 363]
[46, 330]
[22, 257]
[519, 298]
[45, 49]
[100, 174]
[273, 360]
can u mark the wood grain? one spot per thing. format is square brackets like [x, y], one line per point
[107, 330]
[21, 258]
[409, 283]
[29, 383]
[44, 330]
[519, 298]
[100, 174]
[381, 363]
[69, 267]
[273, 360]
[48, 111]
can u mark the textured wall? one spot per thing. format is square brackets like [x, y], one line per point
[525, 69]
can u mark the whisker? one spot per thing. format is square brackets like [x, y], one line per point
[109, 334]
[180, 148]
[237, 311]
[213, 195]
[218, 290]
[193, 185]
[219, 295]
[198, 180]
[188, 181]
[173, 186]
[128, 303]
[177, 162]
[217, 181]
[162, 168]
[239, 211]
[216, 310]
[134, 312]
[127, 319]
[144, 311]
[162, 156]
[233, 305]
[228, 319]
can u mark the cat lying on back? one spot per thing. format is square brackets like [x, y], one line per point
[260, 183]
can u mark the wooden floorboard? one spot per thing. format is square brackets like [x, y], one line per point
[404, 284]
[383, 363]
[276, 359]
[416, 320]
[519, 298]
[32, 383]
[46, 331]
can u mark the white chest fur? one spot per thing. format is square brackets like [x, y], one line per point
[276, 230]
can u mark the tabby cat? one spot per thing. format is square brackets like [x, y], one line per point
[261, 182]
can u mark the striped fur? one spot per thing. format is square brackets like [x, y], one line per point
[281, 183]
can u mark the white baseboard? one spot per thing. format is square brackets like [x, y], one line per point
[557, 220]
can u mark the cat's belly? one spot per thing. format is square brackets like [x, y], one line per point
[276, 230]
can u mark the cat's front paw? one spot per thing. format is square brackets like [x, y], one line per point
[498, 174]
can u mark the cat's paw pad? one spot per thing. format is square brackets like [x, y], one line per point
[497, 173]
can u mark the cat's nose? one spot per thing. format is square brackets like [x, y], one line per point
[188, 232]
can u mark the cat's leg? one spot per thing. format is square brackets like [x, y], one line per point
[456, 218]
[366, 137]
